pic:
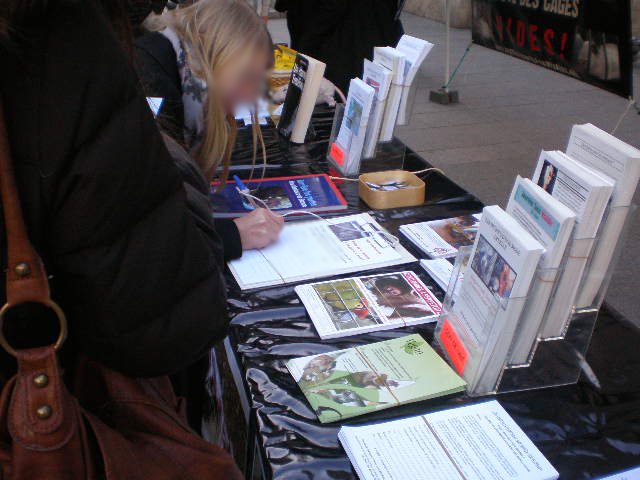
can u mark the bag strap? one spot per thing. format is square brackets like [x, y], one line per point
[26, 276]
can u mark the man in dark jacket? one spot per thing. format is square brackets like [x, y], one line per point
[135, 260]
[342, 33]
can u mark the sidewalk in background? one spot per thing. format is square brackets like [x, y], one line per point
[509, 110]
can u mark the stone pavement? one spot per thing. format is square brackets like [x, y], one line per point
[509, 110]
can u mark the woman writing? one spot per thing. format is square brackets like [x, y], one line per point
[204, 60]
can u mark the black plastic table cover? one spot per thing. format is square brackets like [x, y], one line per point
[585, 430]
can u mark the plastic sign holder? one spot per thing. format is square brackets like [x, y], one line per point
[336, 155]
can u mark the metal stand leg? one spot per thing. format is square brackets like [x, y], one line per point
[250, 454]
[444, 96]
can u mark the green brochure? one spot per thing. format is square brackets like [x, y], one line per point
[363, 379]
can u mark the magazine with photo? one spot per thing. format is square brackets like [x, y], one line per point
[308, 250]
[442, 238]
[312, 193]
[478, 332]
[377, 376]
[352, 306]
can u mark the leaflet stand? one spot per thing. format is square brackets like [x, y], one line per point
[552, 362]
[338, 157]
[335, 155]
[629, 213]
[409, 105]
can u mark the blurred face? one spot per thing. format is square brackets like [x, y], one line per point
[244, 82]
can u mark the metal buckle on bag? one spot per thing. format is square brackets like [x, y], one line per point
[62, 323]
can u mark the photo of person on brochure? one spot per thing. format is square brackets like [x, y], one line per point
[493, 270]
[397, 297]
[484, 260]
[548, 176]
[502, 279]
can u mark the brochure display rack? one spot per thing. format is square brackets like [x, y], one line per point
[553, 361]
[337, 157]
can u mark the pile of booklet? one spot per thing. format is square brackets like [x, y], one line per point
[534, 263]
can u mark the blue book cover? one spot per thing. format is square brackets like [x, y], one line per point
[312, 193]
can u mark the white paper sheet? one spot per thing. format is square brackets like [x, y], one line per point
[476, 442]
[633, 474]
[155, 103]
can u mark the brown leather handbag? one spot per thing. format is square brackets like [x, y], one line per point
[106, 425]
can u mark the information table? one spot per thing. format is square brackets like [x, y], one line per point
[585, 430]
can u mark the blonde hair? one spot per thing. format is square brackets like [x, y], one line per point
[217, 34]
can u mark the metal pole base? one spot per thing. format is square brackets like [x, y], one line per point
[444, 97]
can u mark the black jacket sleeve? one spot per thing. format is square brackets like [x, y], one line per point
[157, 67]
[137, 271]
[231, 241]
[197, 184]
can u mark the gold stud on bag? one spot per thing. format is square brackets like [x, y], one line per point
[23, 269]
[44, 412]
[41, 380]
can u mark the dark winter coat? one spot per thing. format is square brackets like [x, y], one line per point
[134, 257]
[341, 33]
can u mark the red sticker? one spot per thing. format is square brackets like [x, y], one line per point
[337, 154]
[454, 347]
